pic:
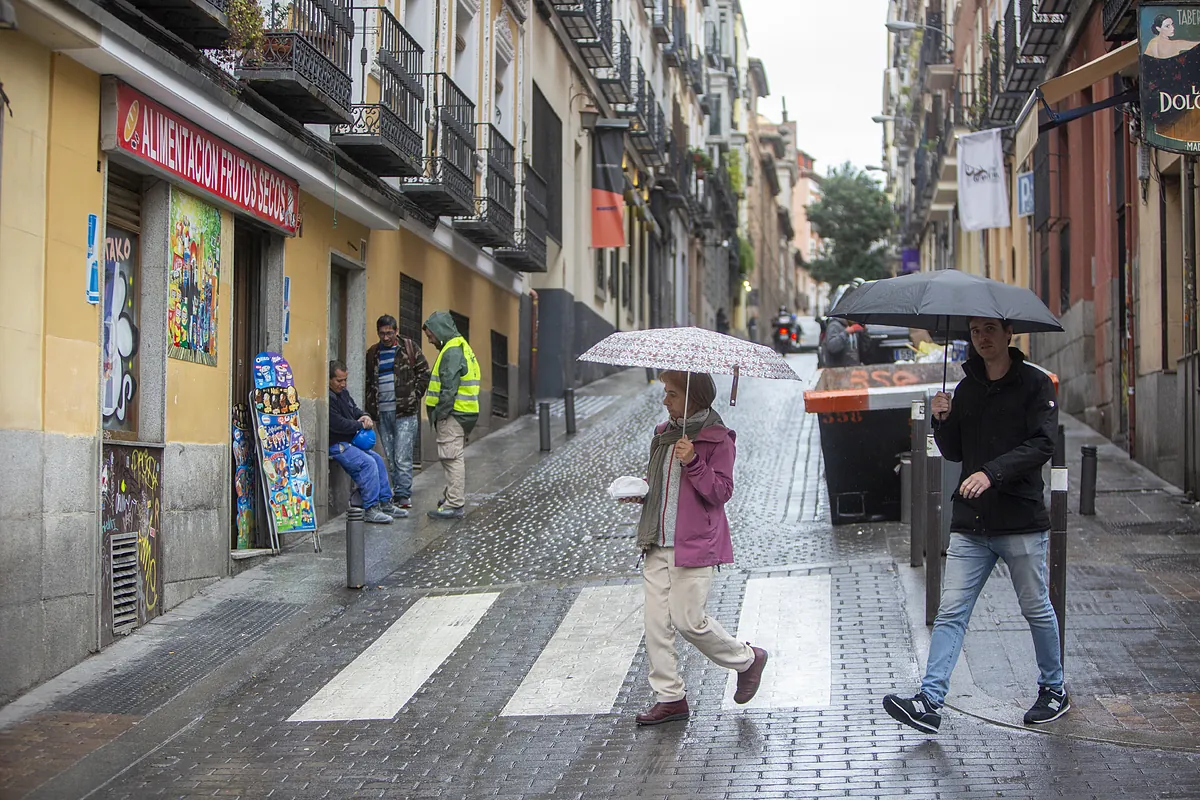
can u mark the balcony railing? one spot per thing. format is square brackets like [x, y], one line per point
[493, 225]
[651, 142]
[589, 24]
[445, 185]
[201, 23]
[636, 110]
[1120, 20]
[965, 109]
[676, 50]
[660, 21]
[1023, 72]
[303, 66]
[1041, 31]
[713, 50]
[529, 252]
[616, 82]
[695, 67]
[725, 201]
[385, 136]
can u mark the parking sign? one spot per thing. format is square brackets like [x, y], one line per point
[1025, 194]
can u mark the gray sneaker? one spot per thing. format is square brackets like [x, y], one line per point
[376, 516]
[392, 510]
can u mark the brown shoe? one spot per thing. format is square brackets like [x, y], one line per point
[664, 712]
[747, 682]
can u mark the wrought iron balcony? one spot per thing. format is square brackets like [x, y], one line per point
[385, 136]
[637, 109]
[725, 201]
[1023, 72]
[964, 109]
[589, 23]
[713, 50]
[1120, 20]
[696, 71]
[529, 252]
[616, 82]
[492, 225]
[676, 50]
[445, 185]
[201, 23]
[651, 142]
[660, 21]
[303, 66]
[1041, 32]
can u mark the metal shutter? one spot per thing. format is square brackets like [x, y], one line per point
[124, 198]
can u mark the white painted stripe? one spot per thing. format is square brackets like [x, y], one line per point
[583, 667]
[791, 618]
[378, 683]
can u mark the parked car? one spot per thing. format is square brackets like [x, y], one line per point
[878, 344]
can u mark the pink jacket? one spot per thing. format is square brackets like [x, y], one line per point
[701, 528]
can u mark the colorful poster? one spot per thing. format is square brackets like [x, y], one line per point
[288, 490]
[130, 514]
[194, 282]
[245, 477]
[119, 358]
[1169, 67]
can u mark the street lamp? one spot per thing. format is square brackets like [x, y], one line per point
[900, 26]
[881, 118]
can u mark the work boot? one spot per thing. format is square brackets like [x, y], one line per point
[376, 516]
[659, 713]
[446, 512]
[748, 681]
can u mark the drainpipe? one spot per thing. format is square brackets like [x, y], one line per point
[1189, 325]
[533, 350]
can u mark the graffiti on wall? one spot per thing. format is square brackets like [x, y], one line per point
[245, 477]
[119, 366]
[195, 279]
[130, 519]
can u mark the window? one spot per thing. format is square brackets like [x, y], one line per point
[715, 120]
[499, 375]
[1064, 269]
[626, 285]
[463, 324]
[411, 303]
[339, 287]
[547, 159]
[601, 273]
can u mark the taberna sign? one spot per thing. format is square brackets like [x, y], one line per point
[147, 132]
[1169, 67]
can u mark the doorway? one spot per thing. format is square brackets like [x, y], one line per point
[249, 248]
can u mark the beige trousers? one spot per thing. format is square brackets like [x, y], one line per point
[451, 441]
[675, 601]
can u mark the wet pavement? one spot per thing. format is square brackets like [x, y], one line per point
[201, 702]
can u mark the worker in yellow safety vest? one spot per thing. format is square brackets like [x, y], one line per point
[452, 401]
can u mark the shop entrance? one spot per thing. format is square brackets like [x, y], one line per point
[249, 529]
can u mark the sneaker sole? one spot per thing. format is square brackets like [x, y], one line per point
[900, 715]
[672, 718]
[1066, 707]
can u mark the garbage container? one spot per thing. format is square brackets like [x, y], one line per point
[864, 414]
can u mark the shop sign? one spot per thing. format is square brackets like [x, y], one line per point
[1169, 63]
[157, 136]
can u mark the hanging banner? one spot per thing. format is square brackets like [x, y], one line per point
[982, 195]
[194, 281]
[1170, 75]
[287, 490]
[608, 188]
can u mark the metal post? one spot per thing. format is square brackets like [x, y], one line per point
[1087, 481]
[544, 424]
[356, 555]
[569, 407]
[933, 529]
[916, 526]
[905, 488]
[1058, 540]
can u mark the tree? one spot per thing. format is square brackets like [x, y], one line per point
[853, 218]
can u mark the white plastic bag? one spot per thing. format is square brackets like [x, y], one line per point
[628, 486]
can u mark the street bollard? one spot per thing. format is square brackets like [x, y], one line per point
[933, 528]
[916, 520]
[544, 424]
[356, 555]
[1087, 481]
[1058, 539]
[569, 408]
[905, 488]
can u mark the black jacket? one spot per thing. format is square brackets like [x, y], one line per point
[1007, 430]
[840, 346]
[343, 417]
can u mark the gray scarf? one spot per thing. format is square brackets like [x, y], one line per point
[662, 446]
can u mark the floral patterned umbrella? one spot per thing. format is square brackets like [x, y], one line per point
[692, 350]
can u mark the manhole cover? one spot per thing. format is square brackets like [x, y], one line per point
[1167, 563]
[1173, 527]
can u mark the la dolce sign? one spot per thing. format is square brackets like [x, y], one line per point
[154, 134]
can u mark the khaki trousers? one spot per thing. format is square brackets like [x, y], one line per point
[451, 441]
[675, 600]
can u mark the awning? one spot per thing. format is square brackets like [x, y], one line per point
[1065, 85]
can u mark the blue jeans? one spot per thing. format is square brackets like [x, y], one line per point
[397, 435]
[367, 470]
[969, 562]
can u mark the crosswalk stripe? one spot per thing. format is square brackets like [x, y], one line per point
[582, 668]
[790, 617]
[386, 675]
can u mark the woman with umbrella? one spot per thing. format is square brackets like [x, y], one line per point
[684, 533]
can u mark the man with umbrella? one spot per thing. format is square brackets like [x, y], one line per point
[1002, 425]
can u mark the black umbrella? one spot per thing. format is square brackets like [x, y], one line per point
[943, 301]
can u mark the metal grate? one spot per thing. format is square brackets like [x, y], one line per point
[499, 375]
[1172, 527]
[124, 553]
[1189, 564]
[411, 308]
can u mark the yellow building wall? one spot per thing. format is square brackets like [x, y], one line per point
[306, 261]
[197, 394]
[26, 68]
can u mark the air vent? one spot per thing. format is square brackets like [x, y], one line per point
[124, 581]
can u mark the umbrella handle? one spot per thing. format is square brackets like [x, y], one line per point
[733, 393]
[687, 390]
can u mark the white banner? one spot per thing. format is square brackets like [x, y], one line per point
[982, 195]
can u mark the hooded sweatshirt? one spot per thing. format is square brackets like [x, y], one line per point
[451, 371]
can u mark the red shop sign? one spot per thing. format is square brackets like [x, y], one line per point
[154, 134]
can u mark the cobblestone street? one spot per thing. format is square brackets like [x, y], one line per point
[273, 685]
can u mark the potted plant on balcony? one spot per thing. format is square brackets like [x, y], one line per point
[702, 161]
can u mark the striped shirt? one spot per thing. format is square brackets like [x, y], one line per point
[387, 379]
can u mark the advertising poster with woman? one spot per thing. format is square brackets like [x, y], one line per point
[1170, 75]
[194, 282]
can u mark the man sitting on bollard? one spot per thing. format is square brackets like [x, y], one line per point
[365, 467]
[1002, 426]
